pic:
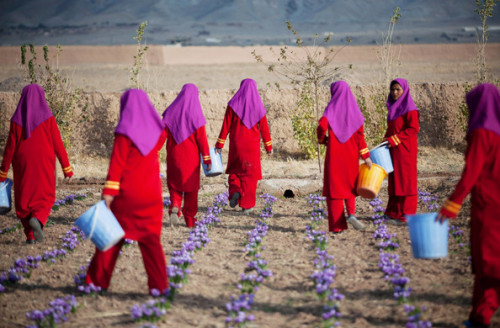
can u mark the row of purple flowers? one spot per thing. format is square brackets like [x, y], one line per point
[179, 268]
[256, 271]
[324, 273]
[393, 270]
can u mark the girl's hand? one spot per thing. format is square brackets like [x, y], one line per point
[441, 218]
[218, 150]
[368, 162]
[108, 199]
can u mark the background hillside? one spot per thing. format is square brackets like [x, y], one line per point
[236, 22]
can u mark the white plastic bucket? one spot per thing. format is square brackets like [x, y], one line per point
[100, 226]
[381, 155]
[217, 167]
[5, 196]
[429, 239]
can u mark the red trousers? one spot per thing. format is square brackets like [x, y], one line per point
[336, 216]
[190, 205]
[246, 186]
[485, 299]
[399, 206]
[103, 263]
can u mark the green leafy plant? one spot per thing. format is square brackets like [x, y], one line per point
[138, 58]
[306, 68]
[484, 8]
[61, 98]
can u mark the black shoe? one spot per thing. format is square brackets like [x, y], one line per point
[30, 241]
[37, 229]
[234, 200]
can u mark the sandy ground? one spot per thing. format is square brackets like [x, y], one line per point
[106, 69]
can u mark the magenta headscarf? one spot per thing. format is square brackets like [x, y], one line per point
[401, 106]
[246, 103]
[342, 112]
[32, 109]
[184, 116]
[139, 120]
[484, 108]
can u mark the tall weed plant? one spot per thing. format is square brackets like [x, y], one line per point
[306, 68]
[61, 98]
[139, 56]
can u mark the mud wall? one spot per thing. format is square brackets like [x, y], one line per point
[92, 130]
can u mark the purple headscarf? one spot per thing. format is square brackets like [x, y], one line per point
[184, 116]
[484, 108]
[139, 120]
[342, 112]
[246, 103]
[401, 106]
[32, 109]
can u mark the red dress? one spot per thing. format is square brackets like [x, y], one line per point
[34, 163]
[481, 178]
[183, 172]
[243, 165]
[402, 187]
[341, 171]
[135, 182]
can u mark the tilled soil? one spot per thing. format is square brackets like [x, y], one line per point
[287, 299]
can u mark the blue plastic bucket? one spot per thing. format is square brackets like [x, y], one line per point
[429, 239]
[5, 196]
[100, 226]
[381, 155]
[217, 167]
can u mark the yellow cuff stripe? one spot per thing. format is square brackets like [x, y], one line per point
[397, 139]
[364, 151]
[205, 158]
[452, 206]
[67, 169]
[269, 143]
[219, 140]
[3, 174]
[112, 185]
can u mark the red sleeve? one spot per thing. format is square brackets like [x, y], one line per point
[411, 127]
[321, 130]
[360, 138]
[59, 149]
[475, 156]
[117, 164]
[228, 118]
[266, 135]
[201, 140]
[8, 153]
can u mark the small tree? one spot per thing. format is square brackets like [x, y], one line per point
[388, 58]
[141, 50]
[62, 100]
[306, 70]
[484, 10]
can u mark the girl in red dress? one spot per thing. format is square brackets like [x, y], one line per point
[245, 122]
[402, 130]
[341, 130]
[133, 190]
[481, 178]
[186, 140]
[32, 146]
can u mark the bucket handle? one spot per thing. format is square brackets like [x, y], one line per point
[381, 144]
[94, 220]
[4, 184]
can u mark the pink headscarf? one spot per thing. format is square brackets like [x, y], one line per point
[32, 109]
[246, 103]
[139, 120]
[342, 112]
[484, 108]
[184, 116]
[405, 104]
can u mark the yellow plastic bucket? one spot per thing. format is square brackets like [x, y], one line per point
[370, 180]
